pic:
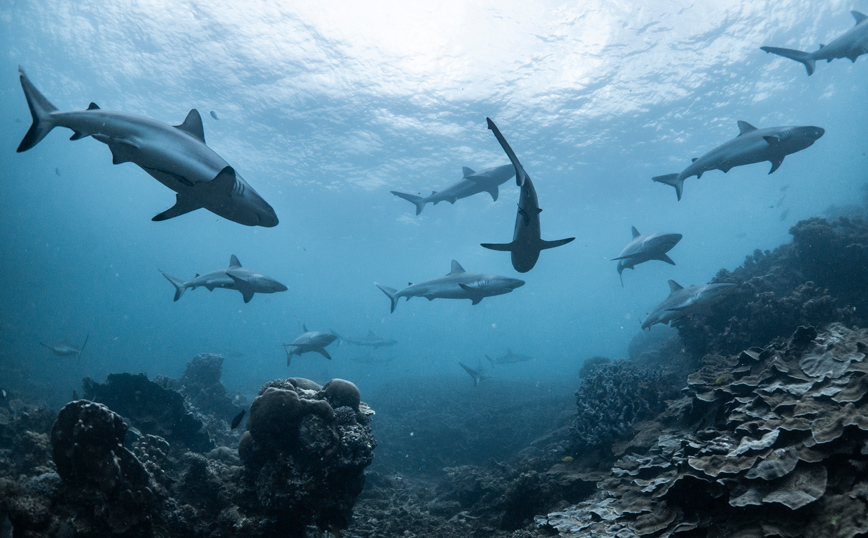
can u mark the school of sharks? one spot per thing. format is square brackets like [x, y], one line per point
[179, 158]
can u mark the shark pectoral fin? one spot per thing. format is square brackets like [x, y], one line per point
[776, 163]
[665, 258]
[552, 244]
[502, 247]
[472, 293]
[122, 151]
[324, 353]
[77, 135]
[183, 205]
[247, 295]
[243, 287]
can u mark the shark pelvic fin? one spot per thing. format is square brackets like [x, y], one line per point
[183, 205]
[193, 125]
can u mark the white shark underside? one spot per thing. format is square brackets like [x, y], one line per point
[458, 284]
[472, 183]
[526, 242]
[751, 146]
[176, 156]
[852, 44]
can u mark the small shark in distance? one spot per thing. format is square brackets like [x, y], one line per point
[645, 248]
[233, 277]
[370, 340]
[508, 358]
[526, 242]
[458, 284]
[751, 146]
[67, 350]
[852, 44]
[175, 156]
[309, 341]
[685, 301]
[472, 183]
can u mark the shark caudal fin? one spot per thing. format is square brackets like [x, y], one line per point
[41, 110]
[418, 201]
[179, 284]
[797, 55]
[672, 179]
[391, 293]
[552, 244]
[475, 374]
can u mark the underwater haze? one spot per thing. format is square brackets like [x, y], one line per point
[326, 107]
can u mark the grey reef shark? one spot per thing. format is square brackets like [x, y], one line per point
[472, 183]
[176, 156]
[67, 350]
[686, 301]
[508, 358]
[852, 44]
[458, 284]
[478, 374]
[751, 146]
[309, 341]
[526, 242]
[233, 277]
[369, 340]
[645, 248]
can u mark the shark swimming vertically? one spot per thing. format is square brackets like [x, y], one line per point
[851, 44]
[233, 277]
[175, 156]
[472, 183]
[645, 248]
[751, 146]
[458, 284]
[309, 341]
[526, 242]
[685, 301]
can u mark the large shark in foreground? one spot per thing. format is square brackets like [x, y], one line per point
[309, 341]
[472, 183]
[685, 301]
[458, 284]
[852, 44]
[526, 241]
[175, 156]
[645, 248]
[233, 277]
[752, 145]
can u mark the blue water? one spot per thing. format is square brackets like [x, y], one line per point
[326, 108]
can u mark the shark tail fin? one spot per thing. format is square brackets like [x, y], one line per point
[475, 374]
[391, 293]
[797, 55]
[180, 288]
[418, 201]
[672, 179]
[553, 244]
[41, 110]
[84, 345]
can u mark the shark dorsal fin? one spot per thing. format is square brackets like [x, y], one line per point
[693, 160]
[304, 327]
[93, 106]
[233, 261]
[744, 127]
[674, 286]
[371, 333]
[858, 16]
[456, 268]
[635, 232]
[197, 275]
[467, 171]
[193, 125]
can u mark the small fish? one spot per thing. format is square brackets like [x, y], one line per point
[567, 459]
[237, 420]
[57, 171]
[214, 115]
[3, 393]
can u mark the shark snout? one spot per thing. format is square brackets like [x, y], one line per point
[267, 218]
[513, 283]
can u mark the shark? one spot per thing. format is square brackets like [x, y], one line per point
[686, 301]
[309, 341]
[67, 350]
[851, 44]
[751, 146]
[478, 374]
[235, 277]
[526, 243]
[370, 340]
[508, 358]
[472, 183]
[176, 156]
[645, 248]
[457, 284]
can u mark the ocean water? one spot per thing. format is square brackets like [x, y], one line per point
[326, 107]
